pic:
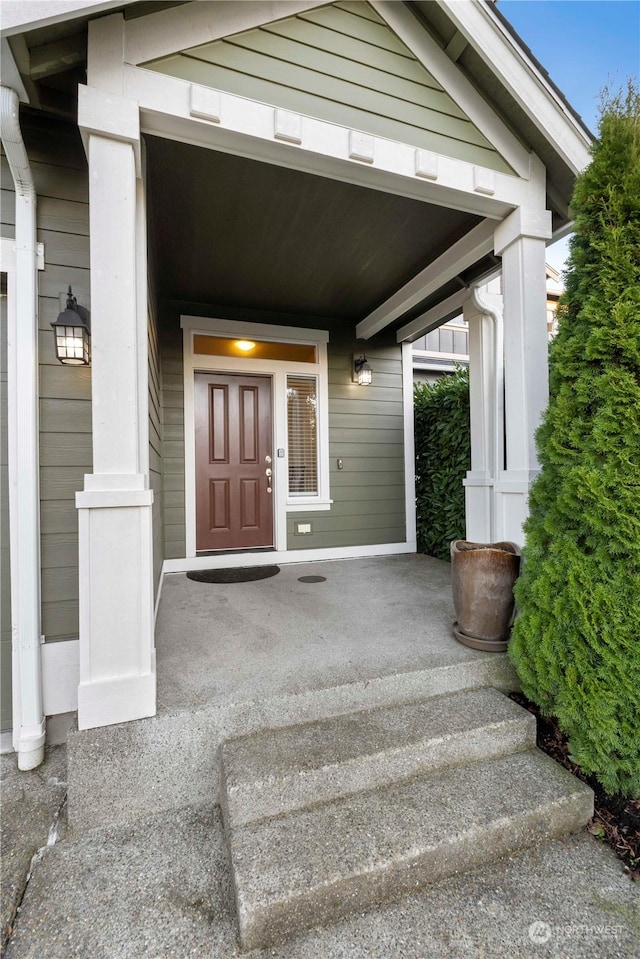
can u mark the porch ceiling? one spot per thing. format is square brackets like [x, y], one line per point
[240, 234]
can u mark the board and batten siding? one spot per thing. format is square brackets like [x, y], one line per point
[343, 64]
[366, 430]
[59, 170]
[6, 715]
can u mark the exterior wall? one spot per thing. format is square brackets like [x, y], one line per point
[365, 431]
[343, 64]
[440, 351]
[5, 569]
[155, 439]
[60, 173]
[173, 443]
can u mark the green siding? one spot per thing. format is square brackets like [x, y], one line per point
[59, 169]
[5, 568]
[173, 443]
[343, 64]
[366, 430]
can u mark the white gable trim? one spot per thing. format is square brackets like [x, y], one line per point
[247, 128]
[179, 28]
[522, 79]
[448, 74]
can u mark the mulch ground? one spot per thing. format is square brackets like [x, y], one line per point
[616, 820]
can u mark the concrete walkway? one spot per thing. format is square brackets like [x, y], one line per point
[161, 889]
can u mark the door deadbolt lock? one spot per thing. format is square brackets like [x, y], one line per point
[267, 458]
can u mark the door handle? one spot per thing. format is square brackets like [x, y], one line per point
[267, 472]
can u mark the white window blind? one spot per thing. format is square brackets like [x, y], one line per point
[302, 409]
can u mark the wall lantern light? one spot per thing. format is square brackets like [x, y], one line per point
[362, 372]
[72, 333]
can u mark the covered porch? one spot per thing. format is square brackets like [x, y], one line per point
[376, 623]
[242, 657]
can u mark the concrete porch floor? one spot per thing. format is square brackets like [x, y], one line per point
[236, 658]
[371, 618]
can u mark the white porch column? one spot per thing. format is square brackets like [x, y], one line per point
[117, 656]
[520, 240]
[483, 312]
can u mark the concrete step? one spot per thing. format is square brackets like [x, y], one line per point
[118, 773]
[310, 866]
[278, 770]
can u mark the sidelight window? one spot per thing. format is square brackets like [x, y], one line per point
[302, 435]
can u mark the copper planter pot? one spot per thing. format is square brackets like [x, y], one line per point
[483, 576]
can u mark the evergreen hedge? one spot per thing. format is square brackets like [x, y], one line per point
[443, 456]
[576, 642]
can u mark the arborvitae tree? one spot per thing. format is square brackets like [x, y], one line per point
[576, 642]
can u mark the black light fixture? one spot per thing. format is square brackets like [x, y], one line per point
[362, 372]
[72, 333]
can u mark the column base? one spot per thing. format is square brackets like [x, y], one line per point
[477, 501]
[120, 700]
[511, 504]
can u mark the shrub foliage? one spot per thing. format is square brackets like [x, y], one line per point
[443, 455]
[576, 642]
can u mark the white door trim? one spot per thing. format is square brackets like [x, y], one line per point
[277, 370]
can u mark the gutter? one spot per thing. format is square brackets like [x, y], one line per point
[24, 491]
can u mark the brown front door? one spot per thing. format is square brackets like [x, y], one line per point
[234, 502]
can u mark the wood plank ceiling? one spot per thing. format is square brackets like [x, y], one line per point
[241, 234]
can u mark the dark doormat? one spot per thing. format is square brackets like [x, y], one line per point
[244, 575]
[312, 579]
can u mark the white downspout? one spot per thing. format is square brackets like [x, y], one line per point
[491, 306]
[24, 492]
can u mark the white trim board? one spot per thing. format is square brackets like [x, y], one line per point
[247, 127]
[522, 79]
[170, 31]
[409, 444]
[269, 557]
[60, 676]
[403, 23]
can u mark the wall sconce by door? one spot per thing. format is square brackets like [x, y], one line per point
[362, 372]
[72, 333]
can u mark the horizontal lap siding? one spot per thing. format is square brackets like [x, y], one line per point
[366, 431]
[173, 443]
[60, 173]
[155, 437]
[343, 64]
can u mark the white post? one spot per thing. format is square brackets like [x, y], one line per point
[520, 240]
[117, 656]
